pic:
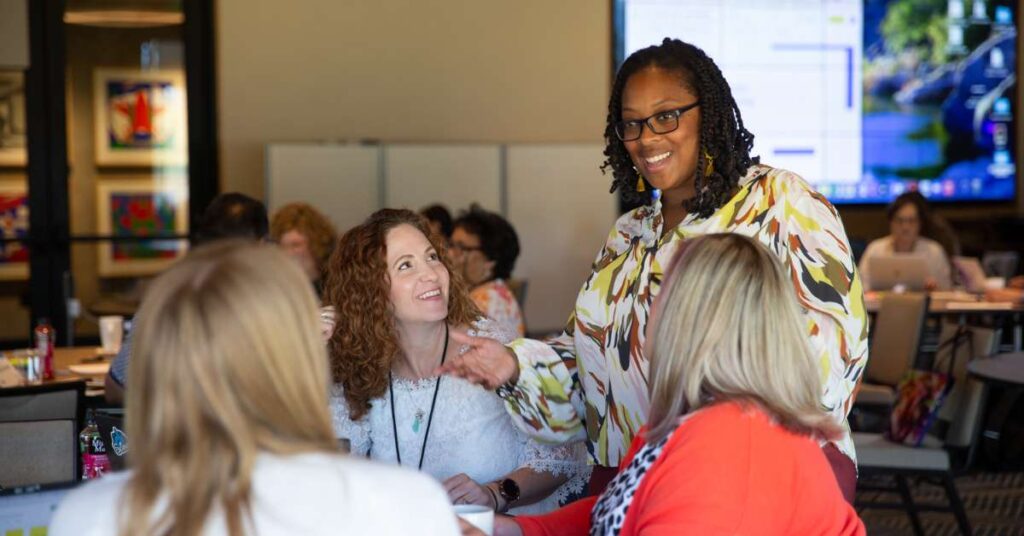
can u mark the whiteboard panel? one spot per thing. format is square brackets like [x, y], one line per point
[453, 175]
[342, 181]
[559, 203]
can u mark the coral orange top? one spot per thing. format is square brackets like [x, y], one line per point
[727, 469]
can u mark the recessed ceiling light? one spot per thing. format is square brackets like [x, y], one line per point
[124, 18]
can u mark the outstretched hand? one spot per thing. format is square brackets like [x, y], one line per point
[487, 362]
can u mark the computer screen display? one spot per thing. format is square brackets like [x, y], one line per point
[866, 99]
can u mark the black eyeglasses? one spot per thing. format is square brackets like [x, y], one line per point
[659, 123]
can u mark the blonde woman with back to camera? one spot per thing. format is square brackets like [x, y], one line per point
[229, 423]
[732, 442]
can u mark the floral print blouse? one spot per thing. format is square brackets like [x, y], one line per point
[591, 380]
[497, 302]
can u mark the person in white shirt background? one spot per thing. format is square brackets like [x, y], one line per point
[909, 225]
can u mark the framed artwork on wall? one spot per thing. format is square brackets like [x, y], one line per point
[12, 119]
[140, 117]
[13, 224]
[141, 207]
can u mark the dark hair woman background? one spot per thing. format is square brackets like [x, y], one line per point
[484, 247]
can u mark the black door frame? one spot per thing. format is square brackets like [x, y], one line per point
[50, 238]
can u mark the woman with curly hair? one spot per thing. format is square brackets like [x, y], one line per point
[676, 144]
[306, 236]
[399, 305]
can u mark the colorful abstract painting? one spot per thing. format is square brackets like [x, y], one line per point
[13, 225]
[141, 208]
[135, 214]
[12, 119]
[140, 118]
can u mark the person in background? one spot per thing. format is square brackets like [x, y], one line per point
[398, 303]
[229, 422]
[909, 223]
[731, 444]
[307, 236]
[440, 220]
[676, 145]
[229, 215]
[484, 247]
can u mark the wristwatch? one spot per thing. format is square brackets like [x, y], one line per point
[509, 490]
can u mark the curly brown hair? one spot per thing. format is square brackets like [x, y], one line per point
[364, 343]
[308, 221]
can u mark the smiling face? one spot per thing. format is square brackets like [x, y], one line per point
[668, 161]
[419, 280]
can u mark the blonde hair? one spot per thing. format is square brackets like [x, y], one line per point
[227, 363]
[728, 327]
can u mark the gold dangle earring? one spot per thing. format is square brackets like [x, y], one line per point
[639, 180]
[709, 163]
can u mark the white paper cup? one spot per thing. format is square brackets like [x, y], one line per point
[995, 283]
[111, 332]
[481, 517]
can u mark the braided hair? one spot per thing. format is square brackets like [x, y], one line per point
[722, 135]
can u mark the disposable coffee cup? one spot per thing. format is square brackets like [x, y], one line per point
[995, 283]
[111, 333]
[481, 517]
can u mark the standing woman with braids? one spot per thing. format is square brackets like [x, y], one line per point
[676, 142]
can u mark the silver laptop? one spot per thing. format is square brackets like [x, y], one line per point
[906, 271]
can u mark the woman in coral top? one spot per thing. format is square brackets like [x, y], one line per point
[732, 443]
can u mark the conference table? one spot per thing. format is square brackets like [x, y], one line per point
[962, 305]
[82, 362]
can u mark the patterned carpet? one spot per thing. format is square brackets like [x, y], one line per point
[994, 504]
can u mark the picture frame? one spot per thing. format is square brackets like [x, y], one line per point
[141, 207]
[140, 118]
[13, 139]
[13, 224]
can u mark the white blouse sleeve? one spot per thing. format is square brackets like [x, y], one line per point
[567, 459]
[357, 432]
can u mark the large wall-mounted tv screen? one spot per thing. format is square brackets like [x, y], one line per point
[866, 99]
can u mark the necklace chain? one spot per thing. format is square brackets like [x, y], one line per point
[419, 413]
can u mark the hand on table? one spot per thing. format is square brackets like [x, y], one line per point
[487, 362]
[464, 490]
[1004, 295]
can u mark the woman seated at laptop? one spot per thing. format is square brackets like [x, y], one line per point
[909, 220]
[732, 442]
[399, 306]
[228, 420]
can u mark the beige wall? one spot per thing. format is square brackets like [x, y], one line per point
[406, 70]
[422, 71]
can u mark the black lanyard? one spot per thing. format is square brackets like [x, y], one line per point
[394, 422]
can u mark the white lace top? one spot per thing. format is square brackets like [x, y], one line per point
[470, 433]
